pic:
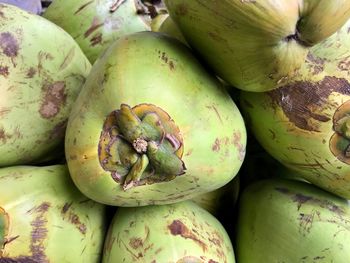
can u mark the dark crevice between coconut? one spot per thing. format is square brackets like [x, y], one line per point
[340, 141]
[151, 8]
[141, 145]
[297, 35]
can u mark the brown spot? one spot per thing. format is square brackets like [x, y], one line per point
[39, 232]
[212, 261]
[299, 100]
[4, 111]
[4, 71]
[31, 72]
[94, 26]
[82, 7]
[344, 65]
[178, 228]
[237, 137]
[54, 98]
[9, 44]
[65, 208]
[216, 112]
[136, 243]
[166, 59]
[74, 219]
[301, 199]
[96, 40]
[22, 259]
[68, 58]
[216, 146]
[4, 136]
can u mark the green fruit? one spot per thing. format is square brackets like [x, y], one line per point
[151, 126]
[96, 24]
[41, 72]
[304, 124]
[257, 45]
[44, 218]
[289, 221]
[176, 233]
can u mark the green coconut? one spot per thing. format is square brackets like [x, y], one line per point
[152, 126]
[257, 45]
[42, 71]
[289, 221]
[95, 24]
[44, 218]
[176, 233]
[305, 124]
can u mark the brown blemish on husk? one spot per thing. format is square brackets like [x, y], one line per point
[300, 99]
[54, 98]
[82, 7]
[4, 71]
[316, 64]
[213, 107]
[216, 146]
[96, 40]
[73, 218]
[31, 72]
[39, 232]
[236, 139]
[68, 58]
[163, 56]
[344, 65]
[302, 199]
[178, 228]
[9, 44]
[94, 26]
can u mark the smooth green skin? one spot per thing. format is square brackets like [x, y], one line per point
[292, 222]
[148, 234]
[302, 150]
[25, 190]
[133, 72]
[79, 16]
[32, 127]
[246, 42]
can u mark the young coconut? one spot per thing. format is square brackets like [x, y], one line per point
[44, 218]
[152, 126]
[257, 45]
[287, 221]
[305, 124]
[41, 72]
[178, 233]
[95, 24]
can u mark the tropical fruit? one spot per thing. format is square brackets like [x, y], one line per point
[304, 124]
[41, 72]
[44, 218]
[154, 130]
[96, 24]
[257, 45]
[289, 221]
[176, 233]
